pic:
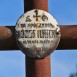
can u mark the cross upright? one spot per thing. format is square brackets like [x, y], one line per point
[38, 67]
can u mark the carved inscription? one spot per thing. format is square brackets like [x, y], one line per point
[37, 30]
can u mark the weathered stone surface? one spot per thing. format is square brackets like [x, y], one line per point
[37, 33]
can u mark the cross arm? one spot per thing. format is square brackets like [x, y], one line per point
[68, 37]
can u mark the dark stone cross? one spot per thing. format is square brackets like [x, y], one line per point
[38, 67]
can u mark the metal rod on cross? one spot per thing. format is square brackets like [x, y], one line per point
[68, 38]
[37, 67]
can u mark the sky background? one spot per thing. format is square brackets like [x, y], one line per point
[12, 63]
